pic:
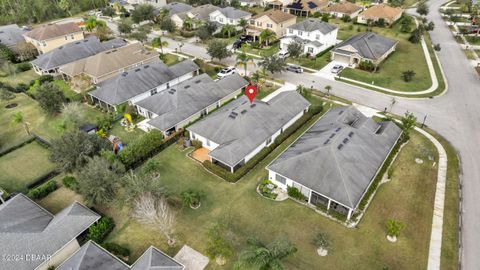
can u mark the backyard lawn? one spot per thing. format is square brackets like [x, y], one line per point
[22, 77]
[22, 166]
[265, 51]
[124, 135]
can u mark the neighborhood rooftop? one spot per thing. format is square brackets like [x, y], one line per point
[154, 259]
[11, 35]
[382, 11]
[310, 25]
[241, 127]
[275, 15]
[344, 7]
[30, 229]
[339, 155]
[233, 13]
[134, 82]
[368, 45]
[49, 31]
[75, 51]
[177, 7]
[188, 98]
[202, 12]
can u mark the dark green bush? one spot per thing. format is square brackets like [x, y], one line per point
[117, 249]
[70, 182]
[24, 67]
[140, 148]
[295, 193]
[196, 144]
[100, 230]
[43, 190]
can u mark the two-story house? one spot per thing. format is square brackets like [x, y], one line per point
[50, 36]
[229, 15]
[275, 20]
[315, 36]
[195, 16]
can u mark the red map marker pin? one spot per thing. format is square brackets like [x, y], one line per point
[251, 92]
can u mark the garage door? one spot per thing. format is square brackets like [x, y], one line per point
[342, 58]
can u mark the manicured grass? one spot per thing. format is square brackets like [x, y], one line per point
[22, 166]
[266, 90]
[60, 198]
[124, 135]
[473, 40]
[23, 77]
[171, 59]
[316, 63]
[265, 51]
[62, 85]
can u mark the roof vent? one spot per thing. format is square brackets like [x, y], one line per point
[345, 141]
[338, 129]
[60, 47]
[137, 70]
[333, 135]
[78, 42]
[197, 81]
[253, 105]
[243, 112]
[340, 146]
[85, 40]
[234, 113]
[124, 74]
[114, 50]
[340, 112]
[107, 52]
[172, 91]
[326, 142]
[146, 66]
[186, 87]
[350, 134]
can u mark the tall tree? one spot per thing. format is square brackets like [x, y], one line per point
[159, 43]
[228, 29]
[143, 12]
[243, 23]
[73, 114]
[267, 36]
[273, 63]
[261, 256]
[50, 97]
[244, 59]
[422, 8]
[295, 49]
[218, 49]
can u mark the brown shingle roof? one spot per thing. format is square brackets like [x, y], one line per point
[343, 7]
[49, 31]
[382, 11]
[275, 15]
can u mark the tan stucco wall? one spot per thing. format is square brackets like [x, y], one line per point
[54, 42]
[61, 255]
[278, 28]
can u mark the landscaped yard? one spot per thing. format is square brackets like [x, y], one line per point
[22, 77]
[23, 166]
[123, 134]
[266, 90]
[316, 63]
[265, 51]
[474, 40]
[170, 59]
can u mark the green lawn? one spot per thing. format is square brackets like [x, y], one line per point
[64, 86]
[171, 59]
[23, 77]
[266, 90]
[317, 63]
[22, 166]
[124, 135]
[265, 51]
[473, 40]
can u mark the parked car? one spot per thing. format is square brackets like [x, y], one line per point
[246, 38]
[283, 54]
[226, 71]
[238, 44]
[295, 68]
[336, 69]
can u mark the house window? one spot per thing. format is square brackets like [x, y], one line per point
[259, 23]
[208, 142]
[153, 91]
[317, 36]
[300, 33]
[66, 37]
[252, 22]
[280, 179]
[71, 36]
[269, 141]
[149, 115]
[231, 21]
[310, 50]
[269, 25]
[221, 19]
[290, 31]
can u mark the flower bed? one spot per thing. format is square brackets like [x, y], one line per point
[266, 189]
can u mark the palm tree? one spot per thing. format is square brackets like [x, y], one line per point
[188, 24]
[267, 36]
[18, 118]
[256, 77]
[243, 23]
[244, 59]
[159, 43]
[91, 23]
[328, 88]
[228, 28]
[261, 256]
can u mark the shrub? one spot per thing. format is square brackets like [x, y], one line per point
[394, 227]
[366, 65]
[140, 148]
[21, 87]
[320, 240]
[99, 231]
[70, 182]
[196, 144]
[23, 67]
[295, 193]
[43, 190]
[192, 197]
[117, 249]
[265, 191]
[437, 47]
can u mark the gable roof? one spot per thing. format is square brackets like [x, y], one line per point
[129, 84]
[177, 7]
[92, 256]
[382, 11]
[188, 98]
[368, 45]
[30, 229]
[233, 13]
[75, 51]
[109, 61]
[310, 25]
[49, 31]
[241, 127]
[154, 259]
[11, 35]
[344, 7]
[275, 15]
[308, 5]
[339, 155]
[201, 12]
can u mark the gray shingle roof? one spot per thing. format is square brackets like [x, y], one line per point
[124, 86]
[339, 155]
[30, 229]
[368, 45]
[91, 256]
[239, 136]
[11, 35]
[177, 7]
[74, 51]
[188, 98]
[233, 13]
[304, 41]
[310, 25]
[154, 259]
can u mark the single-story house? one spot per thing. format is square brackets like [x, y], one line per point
[186, 102]
[314, 34]
[146, 80]
[274, 20]
[237, 132]
[92, 256]
[50, 62]
[342, 9]
[366, 46]
[229, 15]
[305, 7]
[108, 64]
[154, 3]
[50, 36]
[177, 7]
[11, 35]
[249, 3]
[374, 13]
[334, 162]
[33, 238]
[197, 15]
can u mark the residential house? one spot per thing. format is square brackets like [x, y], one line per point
[177, 7]
[229, 15]
[366, 46]
[274, 20]
[11, 35]
[154, 3]
[249, 3]
[305, 7]
[186, 102]
[146, 80]
[108, 64]
[92, 256]
[375, 13]
[33, 238]
[196, 16]
[334, 162]
[50, 62]
[314, 34]
[343, 9]
[238, 131]
[50, 36]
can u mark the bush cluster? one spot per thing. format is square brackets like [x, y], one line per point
[196, 144]
[70, 182]
[140, 147]
[99, 231]
[117, 249]
[43, 190]
[295, 193]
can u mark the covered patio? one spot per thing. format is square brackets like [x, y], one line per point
[201, 154]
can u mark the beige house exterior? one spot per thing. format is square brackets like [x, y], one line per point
[377, 12]
[275, 20]
[51, 36]
[343, 9]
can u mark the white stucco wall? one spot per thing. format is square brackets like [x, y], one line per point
[205, 142]
[327, 40]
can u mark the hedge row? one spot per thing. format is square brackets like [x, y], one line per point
[43, 178]
[43, 190]
[140, 147]
[99, 231]
[15, 147]
[240, 172]
[117, 249]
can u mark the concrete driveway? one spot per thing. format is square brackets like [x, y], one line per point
[326, 71]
